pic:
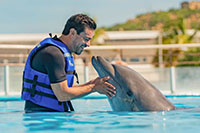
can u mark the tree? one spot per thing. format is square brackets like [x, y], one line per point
[175, 33]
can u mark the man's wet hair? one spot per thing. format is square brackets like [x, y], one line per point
[79, 22]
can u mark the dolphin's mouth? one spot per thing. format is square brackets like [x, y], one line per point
[101, 70]
[102, 66]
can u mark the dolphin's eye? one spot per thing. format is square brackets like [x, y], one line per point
[129, 93]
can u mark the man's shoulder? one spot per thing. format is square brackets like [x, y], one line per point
[50, 46]
[51, 49]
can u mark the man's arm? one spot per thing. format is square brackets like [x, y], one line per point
[65, 93]
[53, 62]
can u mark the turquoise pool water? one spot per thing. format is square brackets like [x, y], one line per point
[95, 115]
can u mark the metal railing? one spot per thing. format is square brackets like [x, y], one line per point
[11, 79]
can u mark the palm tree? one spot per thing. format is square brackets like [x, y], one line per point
[175, 33]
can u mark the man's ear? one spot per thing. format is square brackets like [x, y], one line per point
[73, 31]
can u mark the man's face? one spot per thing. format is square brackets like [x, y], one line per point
[82, 40]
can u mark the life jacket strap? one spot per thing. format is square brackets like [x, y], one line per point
[34, 85]
[50, 34]
[70, 106]
[37, 83]
[66, 107]
[39, 93]
[75, 74]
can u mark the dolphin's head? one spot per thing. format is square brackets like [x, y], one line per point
[124, 99]
[133, 92]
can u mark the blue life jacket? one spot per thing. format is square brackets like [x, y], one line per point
[36, 85]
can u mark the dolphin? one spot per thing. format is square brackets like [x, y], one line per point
[133, 92]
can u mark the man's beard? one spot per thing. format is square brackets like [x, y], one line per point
[80, 49]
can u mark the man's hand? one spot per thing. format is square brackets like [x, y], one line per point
[103, 87]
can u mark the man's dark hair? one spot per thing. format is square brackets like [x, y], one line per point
[79, 22]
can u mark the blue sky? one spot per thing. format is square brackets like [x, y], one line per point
[43, 16]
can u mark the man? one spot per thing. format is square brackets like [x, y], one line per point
[49, 70]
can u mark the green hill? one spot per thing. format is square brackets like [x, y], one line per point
[160, 20]
[173, 25]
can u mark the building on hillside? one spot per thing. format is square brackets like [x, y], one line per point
[124, 38]
[129, 37]
[190, 5]
[185, 5]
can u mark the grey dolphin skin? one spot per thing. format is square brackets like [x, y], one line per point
[133, 92]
